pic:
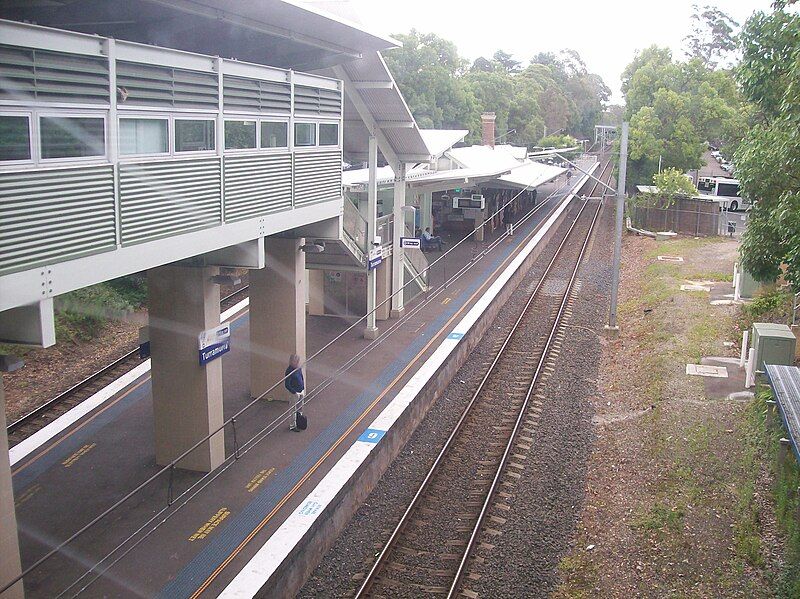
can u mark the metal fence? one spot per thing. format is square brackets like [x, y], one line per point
[688, 222]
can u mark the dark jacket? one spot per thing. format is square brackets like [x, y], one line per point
[295, 382]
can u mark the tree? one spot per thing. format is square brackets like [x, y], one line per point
[768, 157]
[428, 70]
[673, 183]
[712, 37]
[506, 62]
[555, 91]
[674, 109]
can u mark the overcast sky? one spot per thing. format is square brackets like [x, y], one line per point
[606, 34]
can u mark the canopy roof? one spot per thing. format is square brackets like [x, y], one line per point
[441, 140]
[420, 176]
[373, 102]
[282, 33]
[531, 174]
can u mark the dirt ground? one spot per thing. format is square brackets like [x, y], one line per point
[677, 503]
[49, 371]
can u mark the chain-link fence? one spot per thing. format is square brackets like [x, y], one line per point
[698, 222]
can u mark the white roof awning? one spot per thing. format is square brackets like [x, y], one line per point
[531, 174]
[441, 140]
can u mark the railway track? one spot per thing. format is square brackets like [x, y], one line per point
[46, 413]
[461, 498]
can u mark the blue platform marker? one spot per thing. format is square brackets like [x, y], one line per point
[371, 435]
[455, 335]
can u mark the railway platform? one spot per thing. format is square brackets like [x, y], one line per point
[165, 541]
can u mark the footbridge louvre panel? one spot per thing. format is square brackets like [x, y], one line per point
[160, 199]
[317, 177]
[49, 216]
[45, 76]
[257, 185]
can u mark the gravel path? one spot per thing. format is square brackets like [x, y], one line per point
[548, 484]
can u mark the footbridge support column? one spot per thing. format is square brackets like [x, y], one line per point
[10, 564]
[277, 316]
[187, 396]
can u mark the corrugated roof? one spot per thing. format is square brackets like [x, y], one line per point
[531, 174]
[369, 81]
[483, 157]
[421, 175]
[282, 33]
[441, 140]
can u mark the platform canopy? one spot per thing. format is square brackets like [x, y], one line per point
[281, 33]
[441, 140]
[421, 179]
[522, 173]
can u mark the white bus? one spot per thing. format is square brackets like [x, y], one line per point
[725, 191]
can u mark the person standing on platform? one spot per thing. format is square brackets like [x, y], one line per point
[295, 385]
[508, 219]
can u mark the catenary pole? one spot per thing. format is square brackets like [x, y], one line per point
[623, 167]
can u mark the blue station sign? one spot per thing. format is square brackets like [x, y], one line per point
[214, 342]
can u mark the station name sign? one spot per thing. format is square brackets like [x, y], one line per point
[410, 243]
[214, 342]
[375, 257]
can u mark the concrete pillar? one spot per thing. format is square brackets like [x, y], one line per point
[316, 292]
[783, 451]
[371, 329]
[187, 397]
[399, 231]
[383, 287]
[10, 564]
[277, 316]
[479, 230]
[426, 211]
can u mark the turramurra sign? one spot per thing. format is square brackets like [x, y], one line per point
[214, 342]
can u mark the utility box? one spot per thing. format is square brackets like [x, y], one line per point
[747, 286]
[774, 344]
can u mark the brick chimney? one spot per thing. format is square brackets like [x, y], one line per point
[487, 128]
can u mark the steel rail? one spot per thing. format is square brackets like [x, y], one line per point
[517, 425]
[406, 517]
[51, 403]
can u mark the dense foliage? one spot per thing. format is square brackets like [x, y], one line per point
[554, 93]
[672, 183]
[676, 108]
[768, 159]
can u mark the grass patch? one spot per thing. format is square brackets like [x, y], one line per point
[786, 495]
[770, 306]
[661, 517]
[82, 314]
[710, 275]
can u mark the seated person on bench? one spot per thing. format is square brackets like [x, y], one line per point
[430, 241]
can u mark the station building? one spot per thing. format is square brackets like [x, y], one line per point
[185, 138]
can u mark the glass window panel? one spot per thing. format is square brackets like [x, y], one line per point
[274, 134]
[328, 134]
[72, 137]
[143, 136]
[240, 135]
[194, 135]
[15, 138]
[305, 134]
